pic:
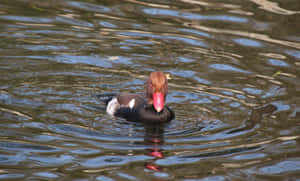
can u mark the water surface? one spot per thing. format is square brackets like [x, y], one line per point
[234, 86]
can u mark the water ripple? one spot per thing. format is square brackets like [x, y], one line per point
[166, 12]
[233, 70]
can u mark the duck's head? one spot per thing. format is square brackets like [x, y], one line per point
[157, 89]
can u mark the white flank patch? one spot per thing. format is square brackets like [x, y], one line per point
[131, 104]
[112, 106]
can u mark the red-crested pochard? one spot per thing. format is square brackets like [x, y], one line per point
[134, 107]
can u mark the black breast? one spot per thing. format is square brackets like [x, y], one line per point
[146, 114]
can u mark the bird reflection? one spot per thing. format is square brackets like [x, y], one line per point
[154, 137]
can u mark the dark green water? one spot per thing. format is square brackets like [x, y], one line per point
[235, 89]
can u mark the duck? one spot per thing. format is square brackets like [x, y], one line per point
[149, 108]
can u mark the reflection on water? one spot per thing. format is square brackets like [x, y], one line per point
[154, 137]
[234, 86]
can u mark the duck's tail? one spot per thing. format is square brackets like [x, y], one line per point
[106, 97]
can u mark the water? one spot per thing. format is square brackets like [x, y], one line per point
[235, 89]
